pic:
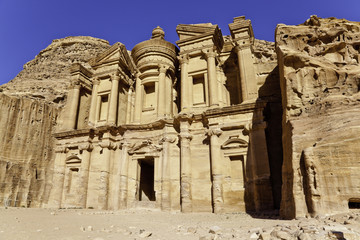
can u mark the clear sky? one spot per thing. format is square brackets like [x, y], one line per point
[28, 26]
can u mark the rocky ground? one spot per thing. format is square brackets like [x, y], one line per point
[21, 223]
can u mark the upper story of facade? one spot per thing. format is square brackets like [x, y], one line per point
[158, 80]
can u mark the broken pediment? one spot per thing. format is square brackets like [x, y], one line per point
[116, 53]
[189, 30]
[190, 34]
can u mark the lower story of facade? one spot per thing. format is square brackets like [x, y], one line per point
[218, 163]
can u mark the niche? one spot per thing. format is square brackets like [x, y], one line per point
[237, 173]
[149, 97]
[104, 105]
[199, 89]
[72, 174]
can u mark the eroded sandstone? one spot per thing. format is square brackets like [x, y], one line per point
[320, 80]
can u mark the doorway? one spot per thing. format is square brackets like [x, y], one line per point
[146, 188]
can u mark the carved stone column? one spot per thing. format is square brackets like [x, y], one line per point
[106, 146]
[138, 99]
[185, 166]
[58, 177]
[92, 113]
[74, 95]
[161, 93]
[84, 172]
[247, 73]
[210, 55]
[124, 175]
[128, 106]
[186, 99]
[216, 173]
[165, 172]
[113, 99]
[168, 97]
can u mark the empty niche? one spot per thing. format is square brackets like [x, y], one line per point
[199, 89]
[73, 166]
[237, 169]
[149, 97]
[104, 105]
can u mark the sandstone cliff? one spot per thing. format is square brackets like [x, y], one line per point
[320, 82]
[29, 108]
[47, 76]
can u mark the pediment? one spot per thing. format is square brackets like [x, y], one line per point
[234, 143]
[116, 53]
[144, 147]
[73, 159]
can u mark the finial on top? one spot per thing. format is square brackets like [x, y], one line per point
[158, 33]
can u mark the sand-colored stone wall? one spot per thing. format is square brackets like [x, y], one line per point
[319, 76]
[26, 150]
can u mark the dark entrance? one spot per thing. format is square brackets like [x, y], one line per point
[146, 191]
[354, 203]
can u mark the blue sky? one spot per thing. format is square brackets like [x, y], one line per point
[28, 26]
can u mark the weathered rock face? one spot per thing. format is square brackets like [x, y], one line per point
[26, 149]
[29, 108]
[48, 76]
[320, 82]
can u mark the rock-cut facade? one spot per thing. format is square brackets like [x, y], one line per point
[178, 129]
[212, 124]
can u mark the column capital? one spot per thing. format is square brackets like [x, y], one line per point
[214, 132]
[61, 149]
[183, 58]
[75, 84]
[124, 144]
[96, 81]
[238, 46]
[137, 74]
[115, 77]
[163, 68]
[107, 144]
[86, 146]
[209, 52]
[185, 135]
[170, 139]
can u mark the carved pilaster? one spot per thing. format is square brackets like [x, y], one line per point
[162, 91]
[210, 55]
[186, 97]
[185, 166]
[115, 78]
[74, 98]
[94, 92]
[216, 171]
[138, 100]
